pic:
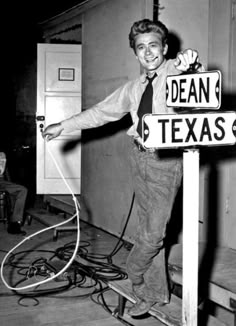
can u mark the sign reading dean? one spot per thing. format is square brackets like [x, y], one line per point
[199, 90]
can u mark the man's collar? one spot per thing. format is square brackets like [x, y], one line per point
[143, 77]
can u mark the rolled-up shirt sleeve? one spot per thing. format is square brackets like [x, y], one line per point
[112, 108]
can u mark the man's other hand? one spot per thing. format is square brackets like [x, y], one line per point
[187, 60]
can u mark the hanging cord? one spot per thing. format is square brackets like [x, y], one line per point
[118, 245]
[77, 208]
[120, 242]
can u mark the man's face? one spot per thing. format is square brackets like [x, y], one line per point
[150, 50]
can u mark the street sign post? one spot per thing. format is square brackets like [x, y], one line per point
[191, 165]
[190, 132]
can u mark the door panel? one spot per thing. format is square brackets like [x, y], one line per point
[58, 108]
[61, 74]
[58, 97]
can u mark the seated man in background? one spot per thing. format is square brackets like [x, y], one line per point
[18, 195]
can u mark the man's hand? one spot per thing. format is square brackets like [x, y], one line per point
[52, 131]
[187, 60]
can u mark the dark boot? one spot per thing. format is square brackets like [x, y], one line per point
[15, 228]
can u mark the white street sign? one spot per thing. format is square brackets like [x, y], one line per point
[188, 130]
[199, 90]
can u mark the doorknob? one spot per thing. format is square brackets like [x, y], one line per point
[40, 118]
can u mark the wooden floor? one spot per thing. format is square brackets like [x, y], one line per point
[58, 302]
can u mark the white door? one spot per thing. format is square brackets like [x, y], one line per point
[58, 97]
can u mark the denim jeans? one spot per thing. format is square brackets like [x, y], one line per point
[157, 179]
[18, 195]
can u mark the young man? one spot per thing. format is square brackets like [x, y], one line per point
[156, 174]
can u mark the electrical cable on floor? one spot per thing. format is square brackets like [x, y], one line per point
[98, 272]
[77, 208]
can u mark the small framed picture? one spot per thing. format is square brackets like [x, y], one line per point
[66, 74]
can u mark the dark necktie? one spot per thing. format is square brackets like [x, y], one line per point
[145, 105]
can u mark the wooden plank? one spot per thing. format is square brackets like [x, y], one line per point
[44, 216]
[170, 314]
[49, 219]
[64, 203]
[212, 321]
[222, 282]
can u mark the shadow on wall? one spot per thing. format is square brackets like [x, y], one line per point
[174, 45]
[89, 136]
[99, 133]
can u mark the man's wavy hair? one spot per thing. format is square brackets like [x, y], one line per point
[147, 26]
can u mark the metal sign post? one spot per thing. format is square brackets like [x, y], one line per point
[190, 236]
[191, 131]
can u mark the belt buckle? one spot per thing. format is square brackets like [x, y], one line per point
[139, 146]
